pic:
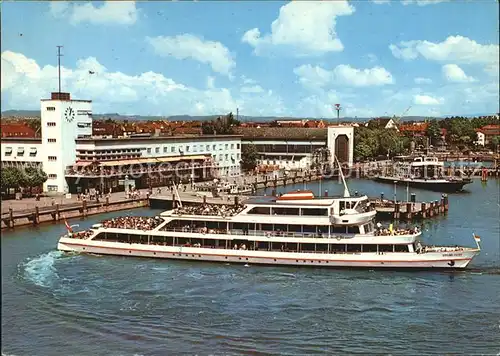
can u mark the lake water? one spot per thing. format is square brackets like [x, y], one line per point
[56, 304]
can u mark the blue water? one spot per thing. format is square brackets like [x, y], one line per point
[57, 304]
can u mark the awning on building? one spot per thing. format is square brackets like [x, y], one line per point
[151, 160]
[8, 149]
[83, 163]
[20, 150]
[33, 149]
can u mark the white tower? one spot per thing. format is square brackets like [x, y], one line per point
[62, 121]
[340, 142]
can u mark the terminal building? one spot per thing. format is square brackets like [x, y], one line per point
[293, 148]
[75, 161]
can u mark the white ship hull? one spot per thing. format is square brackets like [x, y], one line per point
[428, 260]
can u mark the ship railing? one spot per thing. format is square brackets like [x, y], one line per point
[241, 232]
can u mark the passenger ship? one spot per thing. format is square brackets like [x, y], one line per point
[423, 172]
[293, 229]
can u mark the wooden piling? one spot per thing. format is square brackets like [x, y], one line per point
[396, 211]
[408, 211]
[204, 200]
[11, 218]
[84, 208]
[445, 202]
[107, 203]
[37, 216]
[236, 200]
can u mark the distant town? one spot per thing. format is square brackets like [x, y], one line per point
[73, 150]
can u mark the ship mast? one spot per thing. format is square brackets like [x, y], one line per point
[346, 189]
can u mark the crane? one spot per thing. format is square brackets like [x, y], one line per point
[397, 119]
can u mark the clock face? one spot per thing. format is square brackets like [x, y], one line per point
[69, 114]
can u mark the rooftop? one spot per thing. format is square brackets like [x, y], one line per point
[155, 138]
[286, 133]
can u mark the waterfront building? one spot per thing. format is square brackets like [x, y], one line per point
[75, 160]
[294, 148]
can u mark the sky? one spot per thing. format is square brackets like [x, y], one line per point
[266, 58]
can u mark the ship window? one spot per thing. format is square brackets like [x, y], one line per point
[337, 248]
[401, 248]
[262, 210]
[286, 211]
[267, 227]
[322, 248]
[295, 228]
[385, 248]
[291, 246]
[307, 247]
[353, 248]
[264, 246]
[314, 212]
[353, 229]
[309, 229]
[338, 229]
[369, 248]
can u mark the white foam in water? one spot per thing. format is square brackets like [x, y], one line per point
[40, 270]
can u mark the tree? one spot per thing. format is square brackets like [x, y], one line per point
[12, 178]
[433, 131]
[33, 177]
[222, 125]
[249, 157]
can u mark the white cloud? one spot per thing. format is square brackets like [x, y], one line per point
[313, 76]
[24, 83]
[305, 27]
[421, 80]
[422, 2]
[455, 49]
[454, 73]
[252, 89]
[426, 100]
[189, 46]
[379, 2]
[343, 74]
[248, 80]
[111, 12]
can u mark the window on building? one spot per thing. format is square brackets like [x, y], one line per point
[232, 146]
[237, 146]
[20, 151]
[157, 149]
[165, 149]
[227, 146]
[214, 147]
[33, 151]
[237, 156]
[8, 151]
[52, 188]
[226, 156]
[51, 124]
[187, 148]
[52, 158]
[208, 148]
[51, 140]
[195, 148]
[149, 149]
[52, 176]
[51, 108]
[172, 149]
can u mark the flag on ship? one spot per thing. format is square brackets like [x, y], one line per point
[67, 225]
[477, 238]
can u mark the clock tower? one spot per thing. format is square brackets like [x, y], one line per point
[63, 120]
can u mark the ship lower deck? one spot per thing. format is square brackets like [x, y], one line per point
[453, 259]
